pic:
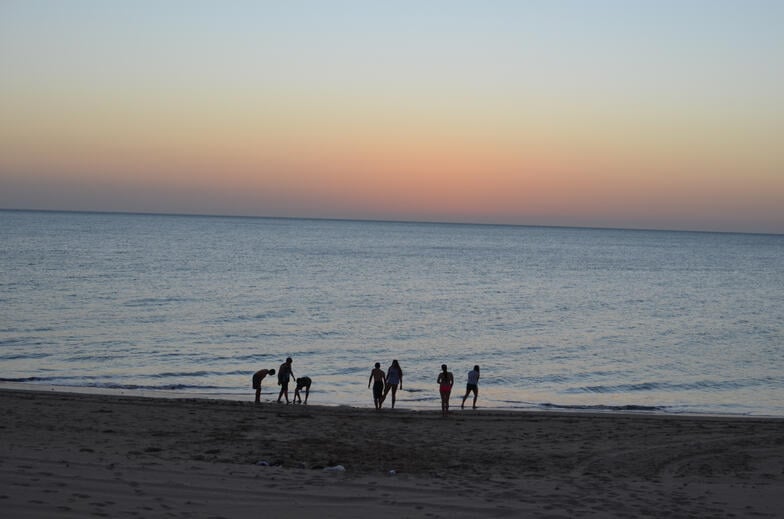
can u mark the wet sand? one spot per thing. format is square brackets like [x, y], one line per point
[77, 455]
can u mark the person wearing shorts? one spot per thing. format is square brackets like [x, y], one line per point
[445, 382]
[285, 373]
[257, 378]
[377, 378]
[394, 379]
[302, 383]
[472, 385]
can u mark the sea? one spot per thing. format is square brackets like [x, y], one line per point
[605, 320]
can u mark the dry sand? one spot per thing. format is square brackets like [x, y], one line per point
[75, 455]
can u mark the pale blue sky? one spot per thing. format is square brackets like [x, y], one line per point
[629, 79]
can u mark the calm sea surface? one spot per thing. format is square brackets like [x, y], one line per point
[672, 322]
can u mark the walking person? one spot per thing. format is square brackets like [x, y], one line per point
[377, 378]
[393, 380]
[257, 378]
[445, 382]
[472, 385]
[285, 373]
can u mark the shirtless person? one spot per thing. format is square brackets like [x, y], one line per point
[284, 374]
[377, 377]
[257, 378]
[302, 382]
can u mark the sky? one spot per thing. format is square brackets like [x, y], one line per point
[629, 114]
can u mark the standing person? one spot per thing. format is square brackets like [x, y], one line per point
[377, 377]
[445, 382]
[257, 378]
[394, 379]
[284, 374]
[472, 385]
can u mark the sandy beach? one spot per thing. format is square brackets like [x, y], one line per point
[77, 455]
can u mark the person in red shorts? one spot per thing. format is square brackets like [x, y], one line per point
[445, 382]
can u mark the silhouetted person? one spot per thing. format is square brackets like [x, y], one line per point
[302, 382]
[445, 382]
[393, 380]
[377, 377]
[472, 385]
[257, 378]
[284, 374]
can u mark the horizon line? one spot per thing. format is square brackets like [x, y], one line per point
[372, 220]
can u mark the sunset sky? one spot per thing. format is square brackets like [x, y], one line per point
[637, 114]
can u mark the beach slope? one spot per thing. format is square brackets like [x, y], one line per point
[67, 454]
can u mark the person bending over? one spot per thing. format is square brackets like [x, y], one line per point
[257, 378]
[302, 382]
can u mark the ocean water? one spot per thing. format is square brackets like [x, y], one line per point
[557, 318]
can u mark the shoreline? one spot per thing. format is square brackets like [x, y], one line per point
[403, 406]
[158, 456]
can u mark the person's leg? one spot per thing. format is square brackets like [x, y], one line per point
[464, 398]
[258, 394]
[307, 392]
[476, 394]
[394, 393]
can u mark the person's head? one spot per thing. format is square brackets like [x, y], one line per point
[272, 372]
[394, 363]
[378, 365]
[288, 360]
[476, 368]
[443, 368]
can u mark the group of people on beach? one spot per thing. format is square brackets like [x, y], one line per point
[382, 383]
[285, 375]
[445, 382]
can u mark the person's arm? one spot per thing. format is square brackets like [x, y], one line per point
[401, 381]
[370, 379]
